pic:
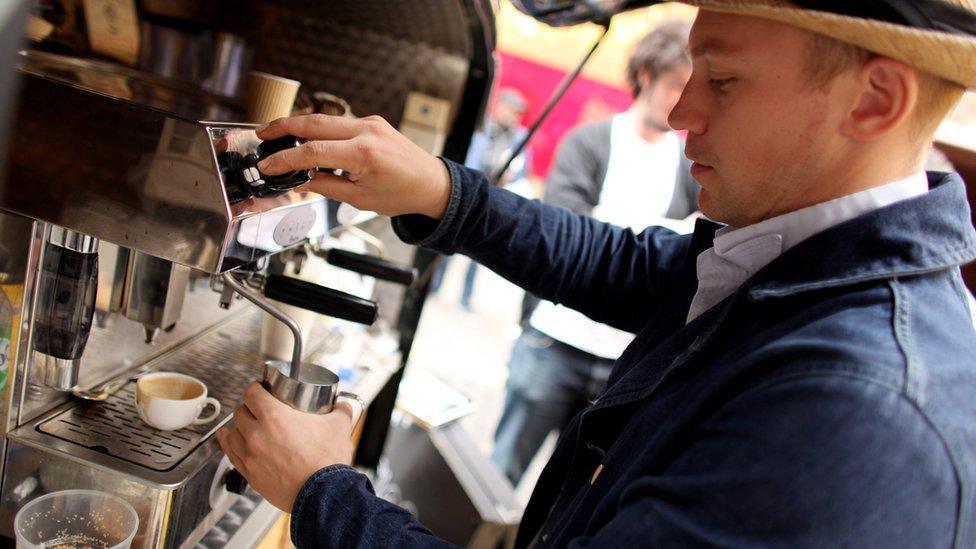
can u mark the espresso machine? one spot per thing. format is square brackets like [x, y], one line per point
[133, 216]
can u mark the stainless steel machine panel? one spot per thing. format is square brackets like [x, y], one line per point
[113, 427]
[226, 366]
[169, 477]
[104, 162]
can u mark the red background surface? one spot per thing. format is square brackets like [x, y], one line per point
[585, 101]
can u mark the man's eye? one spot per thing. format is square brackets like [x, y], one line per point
[720, 83]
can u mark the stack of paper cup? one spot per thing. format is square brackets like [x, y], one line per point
[269, 97]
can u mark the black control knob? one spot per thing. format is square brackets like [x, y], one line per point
[286, 181]
[242, 179]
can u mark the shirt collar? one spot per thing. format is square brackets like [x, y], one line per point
[738, 254]
[795, 227]
[928, 233]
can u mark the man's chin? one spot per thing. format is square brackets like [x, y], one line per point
[706, 203]
[711, 208]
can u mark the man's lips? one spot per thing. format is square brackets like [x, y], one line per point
[697, 169]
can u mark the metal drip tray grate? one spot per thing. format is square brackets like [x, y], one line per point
[226, 360]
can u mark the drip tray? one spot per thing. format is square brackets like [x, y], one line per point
[226, 360]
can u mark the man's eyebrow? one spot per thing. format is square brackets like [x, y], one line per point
[711, 47]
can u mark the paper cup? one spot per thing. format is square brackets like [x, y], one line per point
[270, 97]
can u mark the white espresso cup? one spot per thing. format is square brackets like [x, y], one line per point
[169, 401]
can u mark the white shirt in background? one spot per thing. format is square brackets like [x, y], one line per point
[636, 193]
[737, 254]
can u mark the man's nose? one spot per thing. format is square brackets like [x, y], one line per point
[685, 116]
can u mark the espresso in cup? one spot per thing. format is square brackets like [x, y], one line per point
[169, 401]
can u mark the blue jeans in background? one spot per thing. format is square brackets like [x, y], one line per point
[548, 383]
[467, 291]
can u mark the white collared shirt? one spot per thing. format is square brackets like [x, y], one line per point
[737, 254]
[637, 193]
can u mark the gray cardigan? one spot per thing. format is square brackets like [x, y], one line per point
[576, 178]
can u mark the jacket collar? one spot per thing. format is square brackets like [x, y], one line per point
[927, 233]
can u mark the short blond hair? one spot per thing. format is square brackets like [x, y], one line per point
[827, 58]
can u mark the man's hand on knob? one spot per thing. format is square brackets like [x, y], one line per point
[278, 448]
[387, 173]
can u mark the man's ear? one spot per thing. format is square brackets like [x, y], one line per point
[885, 95]
[644, 79]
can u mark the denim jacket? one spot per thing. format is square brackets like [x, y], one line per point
[830, 401]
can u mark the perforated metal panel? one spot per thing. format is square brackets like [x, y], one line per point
[370, 52]
[373, 71]
[226, 360]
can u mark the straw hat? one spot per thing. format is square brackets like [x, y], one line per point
[951, 55]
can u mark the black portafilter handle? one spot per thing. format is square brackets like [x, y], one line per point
[320, 299]
[380, 269]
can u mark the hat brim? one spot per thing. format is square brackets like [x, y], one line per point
[950, 56]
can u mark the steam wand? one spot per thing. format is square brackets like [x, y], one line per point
[260, 301]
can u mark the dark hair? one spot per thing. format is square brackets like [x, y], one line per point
[663, 49]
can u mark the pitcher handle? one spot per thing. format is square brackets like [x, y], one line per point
[362, 406]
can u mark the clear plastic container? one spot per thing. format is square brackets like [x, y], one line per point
[76, 519]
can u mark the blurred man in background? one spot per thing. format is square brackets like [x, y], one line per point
[630, 171]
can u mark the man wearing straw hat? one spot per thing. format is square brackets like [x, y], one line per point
[804, 371]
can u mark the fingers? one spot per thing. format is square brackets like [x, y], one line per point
[313, 126]
[245, 421]
[347, 155]
[335, 187]
[259, 402]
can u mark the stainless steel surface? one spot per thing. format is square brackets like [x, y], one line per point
[22, 354]
[315, 390]
[217, 61]
[13, 17]
[171, 493]
[60, 374]
[153, 181]
[154, 291]
[262, 302]
[114, 427]
[32, 471]
[107, 389]
[101, 393]
[72, 240]
[112, 430]
[116, 346]
[113, 263]
[64, 308]
[184, 99]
